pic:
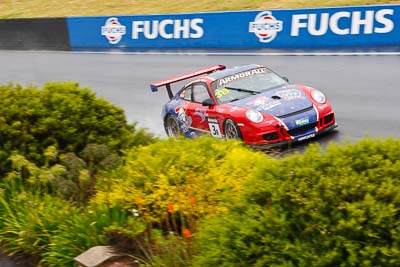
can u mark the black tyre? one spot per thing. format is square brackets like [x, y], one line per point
[172, 127]
[232, 131]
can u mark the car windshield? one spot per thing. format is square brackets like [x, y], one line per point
[238, 86]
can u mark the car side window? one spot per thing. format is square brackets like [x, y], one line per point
[187, 93]
[200, 93]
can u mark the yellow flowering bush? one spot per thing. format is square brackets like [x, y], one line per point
[193, 177]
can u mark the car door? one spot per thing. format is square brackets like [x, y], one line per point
[195, 110]
[203, 117]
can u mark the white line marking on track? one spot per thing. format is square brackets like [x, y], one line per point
[217, 53]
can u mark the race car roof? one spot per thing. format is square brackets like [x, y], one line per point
[214, 73]
[227, 72]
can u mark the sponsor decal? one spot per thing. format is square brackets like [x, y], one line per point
[290, 94]
[113, 30]
[183, 118]
[302, 121]
[241, 75]
[306, 137]
[264, 103]
[344, 22]
[212, 120]
[168, 29]
[270, 122]
[201, 113]
[235, 108]
[265, 26]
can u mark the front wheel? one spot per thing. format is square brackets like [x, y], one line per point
[232, 131]
[172, 127]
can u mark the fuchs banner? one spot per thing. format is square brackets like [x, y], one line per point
[335, 27]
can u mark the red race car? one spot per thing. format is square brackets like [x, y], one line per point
[248, 102]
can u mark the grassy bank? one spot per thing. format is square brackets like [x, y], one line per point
[54, 8]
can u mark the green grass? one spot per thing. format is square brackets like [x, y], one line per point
[56, 8]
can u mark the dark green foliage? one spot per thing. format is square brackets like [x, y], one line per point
[52, 230]
[72, 178]
[28, 221]
[60, 115]
[81, 231]
[335, 208]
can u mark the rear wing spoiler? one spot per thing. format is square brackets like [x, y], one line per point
[167, 83]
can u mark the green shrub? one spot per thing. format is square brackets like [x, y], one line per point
[150, 247]
[219, 201]
[184, 178]
[81, 231]
[52, 230]
[60, 115]
[28, 221]
[335, 208]
[72, 178]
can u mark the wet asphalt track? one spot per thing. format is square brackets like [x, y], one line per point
[363, 90]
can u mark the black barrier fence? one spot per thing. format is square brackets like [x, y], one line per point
[34, 34]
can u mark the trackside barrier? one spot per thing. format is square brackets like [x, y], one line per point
[25, 34]
[336, 27]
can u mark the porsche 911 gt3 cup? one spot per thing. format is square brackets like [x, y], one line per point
[249, 102]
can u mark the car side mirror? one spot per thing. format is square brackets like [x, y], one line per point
[285, 78]
[208, 102]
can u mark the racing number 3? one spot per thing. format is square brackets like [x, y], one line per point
[214, 128]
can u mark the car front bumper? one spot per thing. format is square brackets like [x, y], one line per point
[295, 140]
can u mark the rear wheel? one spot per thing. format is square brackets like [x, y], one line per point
[172, 126]
[232, 131]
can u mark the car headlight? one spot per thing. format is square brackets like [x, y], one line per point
[254, 116]
[318, 96]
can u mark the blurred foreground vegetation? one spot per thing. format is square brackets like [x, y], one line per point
[54, 8]
[76, 175]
